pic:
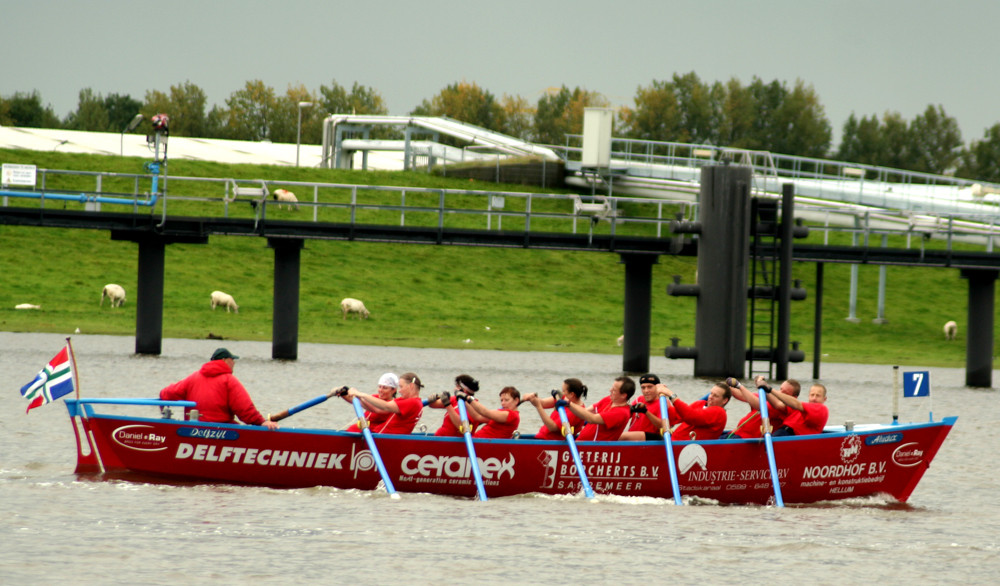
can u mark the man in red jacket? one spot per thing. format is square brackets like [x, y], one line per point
[220, 398]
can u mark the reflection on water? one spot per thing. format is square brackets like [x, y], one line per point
[54, 524]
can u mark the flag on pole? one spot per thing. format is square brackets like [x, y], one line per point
[53, 382]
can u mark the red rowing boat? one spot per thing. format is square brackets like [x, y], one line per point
[865, 461]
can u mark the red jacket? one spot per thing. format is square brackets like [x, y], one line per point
[705, 422]
[219, 396]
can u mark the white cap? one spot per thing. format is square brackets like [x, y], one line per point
[389, 380]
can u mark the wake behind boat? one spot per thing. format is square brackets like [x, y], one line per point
[868, 460]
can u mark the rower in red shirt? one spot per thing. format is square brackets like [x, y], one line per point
[701, 420]
[607, 419]
[574, 391]
[500, 423]
[800, 418]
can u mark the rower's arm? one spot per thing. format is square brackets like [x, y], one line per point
[585, 414]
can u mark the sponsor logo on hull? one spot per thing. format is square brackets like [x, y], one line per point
[139, 437]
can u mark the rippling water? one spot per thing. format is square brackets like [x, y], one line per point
[55, 527]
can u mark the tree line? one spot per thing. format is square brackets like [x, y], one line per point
[771, 116]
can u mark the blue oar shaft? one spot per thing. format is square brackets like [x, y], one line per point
[473, 461]
[669, 444]
[769, 444]
[571, 442]
[367, 433]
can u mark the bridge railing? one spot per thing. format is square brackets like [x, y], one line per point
[494, 210]
[360, 204]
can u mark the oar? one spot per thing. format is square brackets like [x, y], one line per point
[571, 442]
[310, 403]
[473, 461]
[762, 397]
[669, 444]
[363, 424]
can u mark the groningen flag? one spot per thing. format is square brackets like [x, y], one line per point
[53, 382]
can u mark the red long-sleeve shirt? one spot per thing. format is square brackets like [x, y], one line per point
[219, 395]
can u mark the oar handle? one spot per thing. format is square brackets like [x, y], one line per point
[669, 447]
[310, 403]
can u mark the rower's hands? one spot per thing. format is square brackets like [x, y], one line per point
[464, 396]
[270, 425]
[638, 408]
[562, 403]
[532, 398]
[732, 382]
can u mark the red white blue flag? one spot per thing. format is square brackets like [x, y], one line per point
[53, 382]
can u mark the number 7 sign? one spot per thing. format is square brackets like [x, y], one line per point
[917, 384]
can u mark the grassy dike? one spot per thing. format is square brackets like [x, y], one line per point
[430, 296]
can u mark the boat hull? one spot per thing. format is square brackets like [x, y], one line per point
[887, 460]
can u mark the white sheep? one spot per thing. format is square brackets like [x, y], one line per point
[621, 339]
[27, 306]
[114, 293]
[283, 195]
[950, 330]
[349, 305]
[224, 299]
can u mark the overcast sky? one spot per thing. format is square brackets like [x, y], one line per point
[866, 57]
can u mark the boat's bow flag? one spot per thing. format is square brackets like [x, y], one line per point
[53, 382]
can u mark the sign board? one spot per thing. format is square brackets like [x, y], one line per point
[17, 175]
[597, 137]
[917, 384]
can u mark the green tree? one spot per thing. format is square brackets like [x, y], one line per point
[285, 121]
[935, 140]
[516, 117]
[560, 112]
[185, 106]
[656, 113]
[250, 112]
[90, 113]
[121, 109]
[698, 110]
[335, 99]
[737, 112]
[800, 126]
[981, 161]
[26, 109]
[465, 102]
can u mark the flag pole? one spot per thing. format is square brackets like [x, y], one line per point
[72, 358]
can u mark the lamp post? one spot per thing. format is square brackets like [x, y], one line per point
[131, 126]
[298, 131]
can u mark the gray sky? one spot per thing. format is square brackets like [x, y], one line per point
[866, 57]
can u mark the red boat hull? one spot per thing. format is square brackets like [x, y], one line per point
[888, 460]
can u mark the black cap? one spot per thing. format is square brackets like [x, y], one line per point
[649, 379]
[221, 353]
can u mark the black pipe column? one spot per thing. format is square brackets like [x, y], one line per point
[723, 250]
[638, 295]
[149, 297]
[979, 337]
[285, 318]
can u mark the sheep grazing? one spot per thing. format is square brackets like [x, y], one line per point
[950, 330]
[283, 195]
[114, 293]
[225, 300]
[621, 339]
[27, 306]
[349, 305]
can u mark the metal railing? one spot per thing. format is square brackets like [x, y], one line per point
[479, 209]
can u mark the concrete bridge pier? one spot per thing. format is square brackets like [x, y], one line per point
[149, 285]
[285, 316]
[979, 335]
[638, 295]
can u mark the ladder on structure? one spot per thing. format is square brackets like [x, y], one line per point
[764, 274]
